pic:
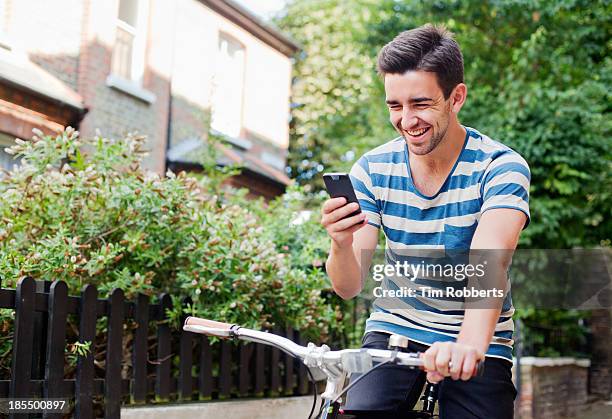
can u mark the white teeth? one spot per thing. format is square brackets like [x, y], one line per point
[417, 132]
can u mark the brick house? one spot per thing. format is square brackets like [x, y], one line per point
[172, 70]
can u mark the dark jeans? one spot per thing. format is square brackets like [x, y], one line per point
[396, 389]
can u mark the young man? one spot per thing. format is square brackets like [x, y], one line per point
[440, 185]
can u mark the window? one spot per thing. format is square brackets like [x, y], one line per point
[7, 161]
[130, 40]
[228, 87]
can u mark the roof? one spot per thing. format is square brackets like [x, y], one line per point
[185, 150]
[252, 163]
[248, 21]
[17, 70]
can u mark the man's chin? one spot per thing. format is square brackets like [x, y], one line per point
[420, 149]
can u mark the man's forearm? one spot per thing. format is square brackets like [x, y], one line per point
[344, 271]
[478, 327]
[481, 316]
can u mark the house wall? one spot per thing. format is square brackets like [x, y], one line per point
[266, 85]
[50, 33]
[74, 39]
[115, 112]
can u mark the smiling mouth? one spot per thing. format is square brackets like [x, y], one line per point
[416, 133]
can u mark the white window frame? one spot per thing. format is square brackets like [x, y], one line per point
[230, 39]
[139, 43]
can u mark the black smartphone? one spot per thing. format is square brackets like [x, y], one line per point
[339, 185]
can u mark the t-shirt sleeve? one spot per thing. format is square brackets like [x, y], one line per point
[506, 184]
[362, 183]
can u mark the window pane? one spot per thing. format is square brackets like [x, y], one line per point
[122, 54]
[128, 11]
[228, 87]
[7, 161]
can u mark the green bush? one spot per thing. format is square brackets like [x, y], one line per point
[84, 211]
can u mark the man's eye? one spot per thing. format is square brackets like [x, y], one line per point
[395, 107]
[421, 105]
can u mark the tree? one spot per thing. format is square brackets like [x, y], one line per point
[332, 96]
[538, 74]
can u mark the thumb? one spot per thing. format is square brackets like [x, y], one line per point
[434, 377]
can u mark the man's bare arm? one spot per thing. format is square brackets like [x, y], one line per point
[352, 247]
[347, 267]
[498, 228]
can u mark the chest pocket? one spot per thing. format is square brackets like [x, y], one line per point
[459, 237]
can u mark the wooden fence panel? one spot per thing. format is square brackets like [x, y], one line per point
[260, 372]
[84, 389]
[225, 369]
[56, 343]
[205, 377]
[289, 362]
[303, 381]
[275, 375]
[164, 351]
[140, 350]
[23, 340]
[243, 370]
[186, 360]
[114, 355]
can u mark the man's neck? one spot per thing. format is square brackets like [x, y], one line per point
[440, 160]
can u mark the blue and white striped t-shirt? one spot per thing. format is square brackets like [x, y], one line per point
[486, 175]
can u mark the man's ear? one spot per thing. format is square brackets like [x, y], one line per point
[457, 97]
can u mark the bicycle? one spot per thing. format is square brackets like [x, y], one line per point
[331, 365]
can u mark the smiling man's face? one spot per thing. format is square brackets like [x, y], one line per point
[417, 109]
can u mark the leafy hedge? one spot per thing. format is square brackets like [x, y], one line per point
[97, 217]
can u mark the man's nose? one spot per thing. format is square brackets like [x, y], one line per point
[408, 120]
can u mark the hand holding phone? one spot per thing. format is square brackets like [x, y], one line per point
[341, 215]
[339, 186]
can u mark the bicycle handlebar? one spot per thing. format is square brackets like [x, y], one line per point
[313, 356]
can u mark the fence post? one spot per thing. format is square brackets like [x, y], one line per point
[140, 349]
[225, 370]
[289, 360]
[260, 374]
[56, 343]
[186, 359]
[85, 364]
[40, 334]
[23, 340]
[114, 355]
[244, 374]
[164, 351]
[303, 379]
[275, 381]
[205, 374]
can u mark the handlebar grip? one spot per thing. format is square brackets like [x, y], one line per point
[479, 369]
[198, 321]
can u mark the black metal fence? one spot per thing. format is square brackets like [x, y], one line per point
[160, 364]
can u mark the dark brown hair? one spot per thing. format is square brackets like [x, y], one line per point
[426, 48]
